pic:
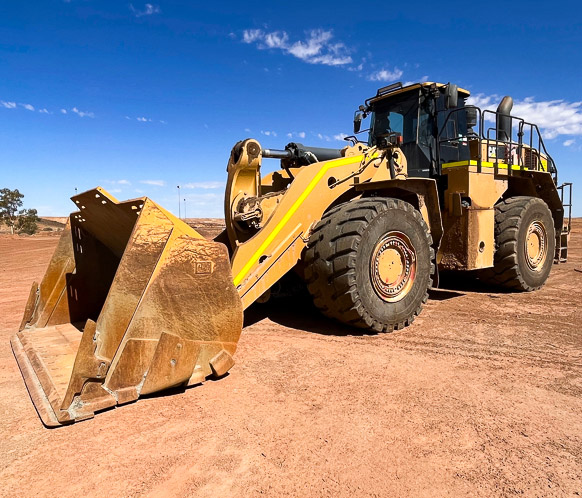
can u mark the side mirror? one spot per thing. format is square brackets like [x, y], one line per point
[357, 122]
[471, 117]
[452, 96]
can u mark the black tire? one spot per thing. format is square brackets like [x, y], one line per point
[513, 267]
[339, 260]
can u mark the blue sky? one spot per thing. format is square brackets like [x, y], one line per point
[141, 97]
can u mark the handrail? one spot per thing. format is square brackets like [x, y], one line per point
[484, 134]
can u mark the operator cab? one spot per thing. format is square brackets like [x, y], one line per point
[419, 114]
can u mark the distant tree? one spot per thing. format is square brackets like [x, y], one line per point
[23, 220]
[26, 221]
[10, 202]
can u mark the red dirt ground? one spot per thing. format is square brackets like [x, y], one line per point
[481, 396]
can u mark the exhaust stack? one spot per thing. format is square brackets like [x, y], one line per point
[504, 119]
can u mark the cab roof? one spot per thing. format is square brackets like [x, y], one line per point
[397, 88]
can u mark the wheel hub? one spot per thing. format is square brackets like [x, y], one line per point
[536, 246]
[393, 266]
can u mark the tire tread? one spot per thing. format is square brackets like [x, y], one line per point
[506, 272]
[330, 260]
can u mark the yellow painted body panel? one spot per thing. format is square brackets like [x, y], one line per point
[469, 238]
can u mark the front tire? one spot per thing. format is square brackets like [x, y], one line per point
[525, 244]
[370, 262]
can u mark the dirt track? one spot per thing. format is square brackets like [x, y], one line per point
[481, 396]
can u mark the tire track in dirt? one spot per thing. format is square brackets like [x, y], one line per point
[479, 351]
[408, 341]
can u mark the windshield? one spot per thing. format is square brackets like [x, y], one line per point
[395, 117]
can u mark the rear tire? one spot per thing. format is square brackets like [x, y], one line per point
[525, 243]
[369, 263]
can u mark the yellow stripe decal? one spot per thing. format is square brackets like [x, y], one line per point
[460, 163]
[486, 164]
[327, 165]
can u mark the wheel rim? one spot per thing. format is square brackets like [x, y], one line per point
[393, 266]
[536, 246]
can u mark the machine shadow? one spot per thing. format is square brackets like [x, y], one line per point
[297, 310]
[181, 389]
[465, 281]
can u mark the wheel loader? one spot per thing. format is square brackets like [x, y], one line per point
[135, 301]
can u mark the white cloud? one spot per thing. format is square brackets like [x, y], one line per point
[269, 133]
[148, 10]
[553, 117]
[556, 117]
[82, 114]
[326, 138]
[44, 110]
[205, 185]
[386, 75]
[143, 119]
[251, 35]
[296, 134]
[359, 67]
[424, 79]
[317, 48]
[340, 137]
[483, 101]
[118, 182]
[277, 39]
[156, 183]
[568, 143]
